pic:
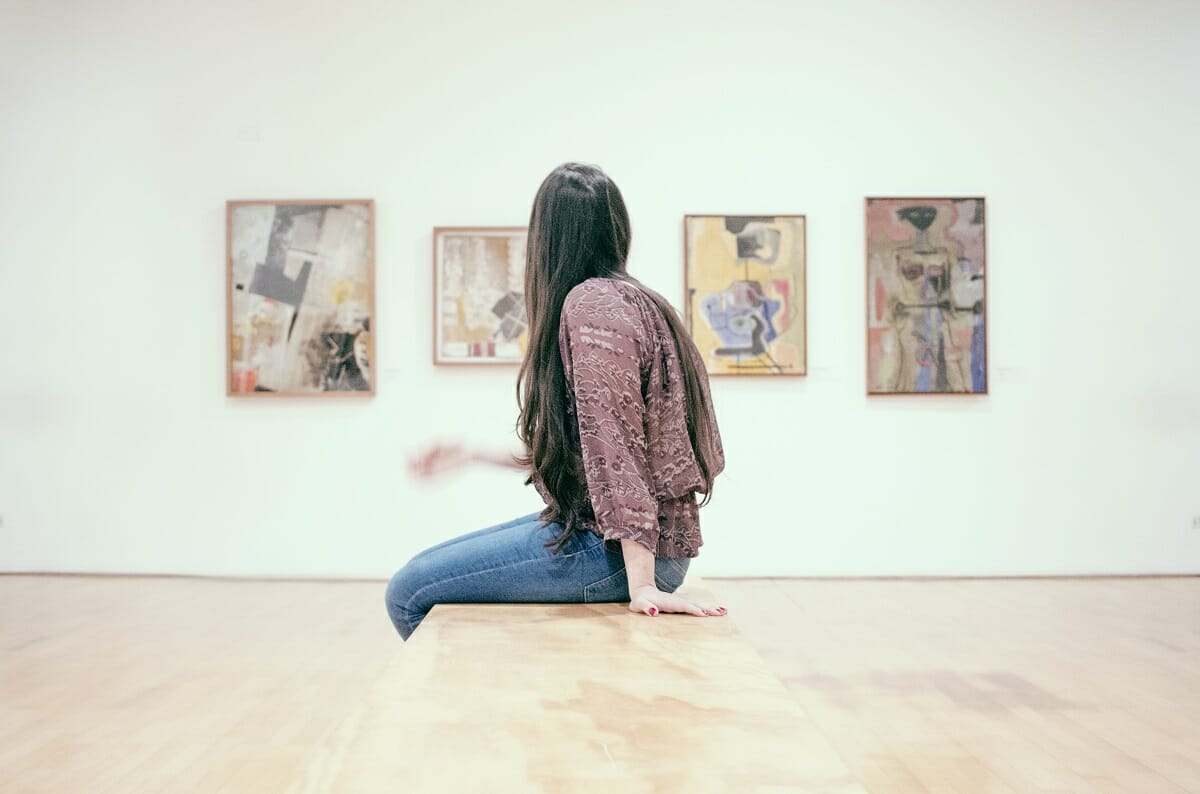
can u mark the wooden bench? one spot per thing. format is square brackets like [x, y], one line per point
[576, 698]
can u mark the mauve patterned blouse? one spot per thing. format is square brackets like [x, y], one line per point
[628, 398]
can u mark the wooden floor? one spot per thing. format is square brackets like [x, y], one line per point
[124, 685]
[992, 685]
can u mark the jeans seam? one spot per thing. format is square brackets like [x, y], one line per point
[416, 593]
[487, 530]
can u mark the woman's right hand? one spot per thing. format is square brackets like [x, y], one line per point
[650, 600]
[438, 460]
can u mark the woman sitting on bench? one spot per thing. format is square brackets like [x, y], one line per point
[618, 426]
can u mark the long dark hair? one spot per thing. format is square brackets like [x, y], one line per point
[579, 229]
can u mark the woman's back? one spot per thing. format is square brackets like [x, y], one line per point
[629, 405]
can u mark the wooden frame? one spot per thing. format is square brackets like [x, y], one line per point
[439, 234]
[986, 308]
[688, 298]
[372, 330]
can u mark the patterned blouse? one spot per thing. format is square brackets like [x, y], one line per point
[628, 398]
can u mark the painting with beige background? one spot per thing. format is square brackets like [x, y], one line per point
[479, 295]
[300, 297]
[745, 292]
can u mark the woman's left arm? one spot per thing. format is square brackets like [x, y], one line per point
[443, 458]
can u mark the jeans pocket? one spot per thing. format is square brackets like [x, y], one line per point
[670, 576]
[614, 587]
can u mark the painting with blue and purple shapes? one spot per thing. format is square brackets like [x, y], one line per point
[742, 317]
[745, 292]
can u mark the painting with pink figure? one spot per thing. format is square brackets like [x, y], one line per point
[926, 296]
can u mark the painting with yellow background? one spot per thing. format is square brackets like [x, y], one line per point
[745, 292]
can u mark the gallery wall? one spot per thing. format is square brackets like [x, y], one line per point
[126, 126]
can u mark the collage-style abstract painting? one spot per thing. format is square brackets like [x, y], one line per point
[301, 297]
[479, 295]
[926, 305]
[745, 292]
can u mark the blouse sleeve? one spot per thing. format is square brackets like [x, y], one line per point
[604, 350]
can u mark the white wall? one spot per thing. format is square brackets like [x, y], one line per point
[125, 126]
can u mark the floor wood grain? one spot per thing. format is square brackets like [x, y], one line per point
[112, 684]
[1038, 685]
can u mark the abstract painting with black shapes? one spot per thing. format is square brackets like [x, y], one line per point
[301, 297]
[479, 295]
[745, 280]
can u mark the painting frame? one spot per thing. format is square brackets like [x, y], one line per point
[439, 233]
[231, 205]
[987, 309]
[688, 298]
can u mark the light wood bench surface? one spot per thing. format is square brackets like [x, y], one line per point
[577, 698]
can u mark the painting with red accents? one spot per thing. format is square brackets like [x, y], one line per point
[479, 295]
[926, 296]
[300, 297]
[745, 282]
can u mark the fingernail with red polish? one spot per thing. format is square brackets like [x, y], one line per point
[653, 611]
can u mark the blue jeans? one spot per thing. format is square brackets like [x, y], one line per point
[508, 563]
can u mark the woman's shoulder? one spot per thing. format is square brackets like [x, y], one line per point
[603, 296]
[604, 316]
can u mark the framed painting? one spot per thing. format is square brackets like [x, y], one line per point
[479, 295]
[926, 296]
[300, 297]
[744, 288]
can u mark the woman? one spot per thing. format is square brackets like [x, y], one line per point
[618, 428]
